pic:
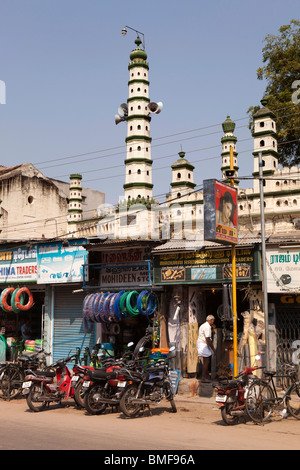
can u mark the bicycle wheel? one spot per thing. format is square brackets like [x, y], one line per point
[11, 381]
[293, 401]
[259, 401]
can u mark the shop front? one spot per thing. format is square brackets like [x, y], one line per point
[283, 281]
[60, 269]
[22, 299]
[198, 283]
[120, 297]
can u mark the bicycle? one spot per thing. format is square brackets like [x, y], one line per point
[12, 374]
[262, 398]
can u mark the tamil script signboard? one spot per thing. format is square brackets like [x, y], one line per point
[124, 268]
[283, 270]
[206, 266]
[18, 264]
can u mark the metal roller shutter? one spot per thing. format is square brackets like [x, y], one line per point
[68, 332]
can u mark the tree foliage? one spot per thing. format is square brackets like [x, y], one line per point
[281, 70]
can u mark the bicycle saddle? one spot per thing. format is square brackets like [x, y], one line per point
[270, 373]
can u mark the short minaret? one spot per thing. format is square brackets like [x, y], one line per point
[265, 141]
[182, 179]
[75, 200]
[138, 163]
[229, 140]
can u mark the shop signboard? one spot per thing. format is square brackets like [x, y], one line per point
[125, 267]
[57, 263]
[18, 264]
[283, 270]
[206, 266]
[220, 212]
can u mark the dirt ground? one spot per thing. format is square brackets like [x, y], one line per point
[196, 426]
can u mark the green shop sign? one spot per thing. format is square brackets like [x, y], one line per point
[206, 266]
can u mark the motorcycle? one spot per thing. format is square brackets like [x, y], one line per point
[230, 395]
[103, 387]
[43, 387]
[146, 387]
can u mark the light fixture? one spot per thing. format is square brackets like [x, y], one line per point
[124, 32]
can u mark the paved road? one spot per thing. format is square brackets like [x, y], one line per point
[196, 426]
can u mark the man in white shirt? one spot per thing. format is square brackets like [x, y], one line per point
[205, 346]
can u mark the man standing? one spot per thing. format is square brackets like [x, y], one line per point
[205, 346]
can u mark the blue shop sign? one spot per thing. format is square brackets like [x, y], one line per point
[58, 263]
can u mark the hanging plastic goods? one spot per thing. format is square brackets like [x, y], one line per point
[5, 299]
[106, 308]
[85, 306]
[114, 306]
[18, 299]
[147, 303]
[131, 303]
[123, 302]
[100, 311]
[96, 306]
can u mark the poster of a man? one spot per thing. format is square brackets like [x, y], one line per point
[226, 211]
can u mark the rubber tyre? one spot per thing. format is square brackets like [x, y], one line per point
[91, 404]
[170, 395]
[293, 401]
[225, 413]
[11, 381]
[78, 395]
[130, 409]
[257, 408]
[36, 390]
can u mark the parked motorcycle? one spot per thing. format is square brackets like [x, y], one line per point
[79, 371]
[231, 395]
[147, 387]
[42, 388]
[103, 387]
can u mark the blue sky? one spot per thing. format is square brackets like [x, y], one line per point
[64, 63]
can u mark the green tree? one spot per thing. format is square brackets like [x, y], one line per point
[281, 70]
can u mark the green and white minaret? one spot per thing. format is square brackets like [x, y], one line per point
[229, 140]
[265, 141]
[182, 179]
[138, 163]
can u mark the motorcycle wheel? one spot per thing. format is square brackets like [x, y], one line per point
[35, 392]
[225, 413]
[91, 397]
[127, 407]
[78, 395]
[170, 395]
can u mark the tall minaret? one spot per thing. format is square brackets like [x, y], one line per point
[265, 141]
[229, 140]
[138, 163]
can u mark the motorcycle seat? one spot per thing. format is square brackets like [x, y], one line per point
[101, 374]
[42, 373]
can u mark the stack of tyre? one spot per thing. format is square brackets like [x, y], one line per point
[16, 299]
[105, 307]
